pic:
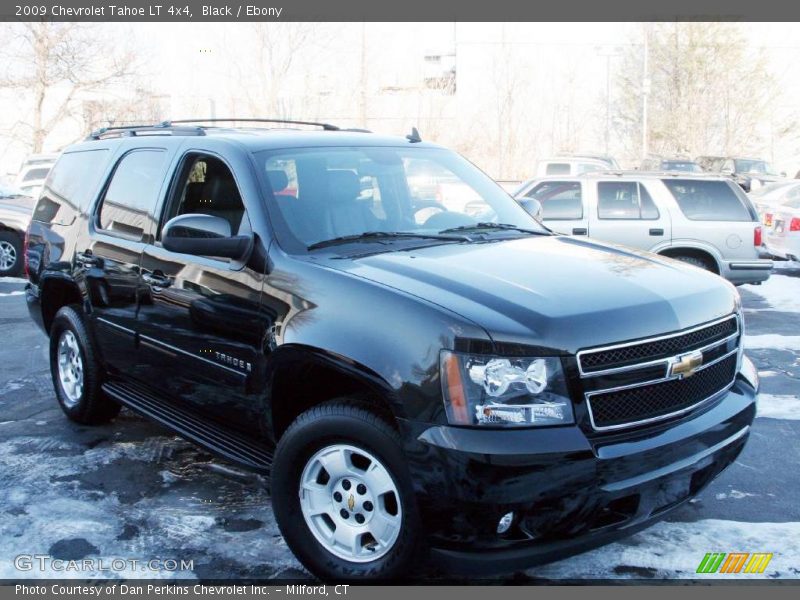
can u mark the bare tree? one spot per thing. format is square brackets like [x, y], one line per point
[278, 50]
[56, 65]
[709, 90]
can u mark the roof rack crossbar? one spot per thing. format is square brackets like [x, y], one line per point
[325, 126]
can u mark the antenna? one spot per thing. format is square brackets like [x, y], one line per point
[414, 136]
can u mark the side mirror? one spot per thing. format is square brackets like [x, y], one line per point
[533, 207]
[203, 235]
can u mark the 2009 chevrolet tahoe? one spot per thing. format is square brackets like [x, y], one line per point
[420, 376]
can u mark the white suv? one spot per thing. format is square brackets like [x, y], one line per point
[705, 220]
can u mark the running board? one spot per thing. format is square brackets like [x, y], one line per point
[228, 443]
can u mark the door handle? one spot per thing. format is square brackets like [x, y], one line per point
[87, 259]
[157, 279]
[656, 232]
[579, 231]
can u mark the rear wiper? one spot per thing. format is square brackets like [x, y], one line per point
[369, 236]
[502, 226]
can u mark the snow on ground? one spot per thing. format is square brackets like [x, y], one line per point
[780, 292]
[772, 406]
[772, 341]
[674, 551]
[14, 293]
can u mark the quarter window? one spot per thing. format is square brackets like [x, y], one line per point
[624, 200]
[708, 200]
[132, 193]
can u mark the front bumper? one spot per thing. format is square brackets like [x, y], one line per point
[570, 491]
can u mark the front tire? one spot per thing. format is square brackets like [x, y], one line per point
[76, 371]
[342, 495]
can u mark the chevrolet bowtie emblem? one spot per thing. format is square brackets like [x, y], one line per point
[351, 502]
[685, 365]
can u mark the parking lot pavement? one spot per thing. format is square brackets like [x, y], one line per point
[132, 490]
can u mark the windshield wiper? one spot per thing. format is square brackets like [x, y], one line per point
[500, 226]
[370, 236]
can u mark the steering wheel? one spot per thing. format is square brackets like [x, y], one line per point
[448, 219]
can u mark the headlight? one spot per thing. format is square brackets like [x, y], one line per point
[504, 392]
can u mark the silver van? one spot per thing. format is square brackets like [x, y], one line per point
[704, 220]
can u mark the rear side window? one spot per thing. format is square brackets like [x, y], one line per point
[73, 182]
[708, 200]
[132, 193]
[624, 200]
[557, 169]
[561, 200]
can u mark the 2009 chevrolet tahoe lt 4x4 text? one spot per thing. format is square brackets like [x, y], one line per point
[421, 377]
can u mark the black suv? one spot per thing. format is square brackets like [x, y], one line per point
[427, 376]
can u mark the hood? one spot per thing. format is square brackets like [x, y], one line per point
[554, 291]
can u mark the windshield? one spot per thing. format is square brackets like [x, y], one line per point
[413, 194]
[761, 167]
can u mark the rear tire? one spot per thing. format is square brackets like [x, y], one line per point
[76, 371]
[11, 260]
[342, 494]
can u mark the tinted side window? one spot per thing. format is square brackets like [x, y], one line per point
[557, 169]
[73, 182]
[624, 200]
[708, 200]
[561, 200]
[133, 192]
[208, 188]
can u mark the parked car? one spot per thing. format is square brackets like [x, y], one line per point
[750, 173]
[609, 161]
[478, 394]
[569, 166]
[783, 232]
[703, 220]
[660, 163]
[766, 198]
[15, 213]
[33, 172]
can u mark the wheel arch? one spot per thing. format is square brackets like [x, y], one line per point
[299, 377]
[701, 251]
[56, 292]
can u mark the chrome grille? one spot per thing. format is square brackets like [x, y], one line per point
[613, 357]
[637, 383]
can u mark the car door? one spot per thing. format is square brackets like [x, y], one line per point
[108, 254]
[624, 212]
[200, 325]
[563, 206]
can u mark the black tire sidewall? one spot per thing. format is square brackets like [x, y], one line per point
[15, 240]
[92, 407]
[295, 449]
[696, 262]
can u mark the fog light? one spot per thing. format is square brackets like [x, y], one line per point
[504, 524]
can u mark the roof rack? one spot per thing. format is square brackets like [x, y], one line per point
[136, 130]
[325, 126]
